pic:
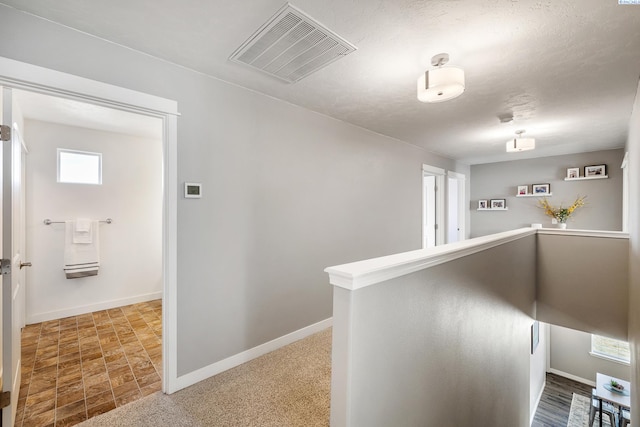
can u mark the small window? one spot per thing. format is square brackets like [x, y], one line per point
[79, 167]
[610, 348]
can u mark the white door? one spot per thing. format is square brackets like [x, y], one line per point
[12, 250]
[456, 208]
[432, 206]
[429, 218]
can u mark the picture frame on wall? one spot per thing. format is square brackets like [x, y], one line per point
[535, 336]
[597, 170]
[498, 204]
[541, 189]
[573, 173]
[482, 204]
[523, 190]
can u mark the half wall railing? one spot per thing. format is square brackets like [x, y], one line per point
[441, 336]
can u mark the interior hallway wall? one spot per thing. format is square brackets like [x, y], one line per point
[286, 193]
[603, 210]
[538, 369]
[130, 247]
[570, 355]
[633, 147]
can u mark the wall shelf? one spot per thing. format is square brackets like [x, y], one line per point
[494, 209]
[535, 195]
[584, 178]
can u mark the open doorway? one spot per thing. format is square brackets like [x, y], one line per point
[91, 343]
[432, 206]
[456, 208]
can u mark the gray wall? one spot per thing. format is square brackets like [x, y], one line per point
[286, 193]
[570, 355]
[448, 345]
[583, 283]
[500, 181]
[538, 368]
[633, 147]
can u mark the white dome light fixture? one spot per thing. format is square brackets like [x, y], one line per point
[520, 144]
[441, 83]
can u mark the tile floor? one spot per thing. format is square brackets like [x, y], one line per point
[78, 367]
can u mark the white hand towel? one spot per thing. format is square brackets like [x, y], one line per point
[81, 259]
[82, 231]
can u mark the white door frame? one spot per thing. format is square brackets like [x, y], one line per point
[625, 192]
[462, 208]
[439, 175]
[19, 75]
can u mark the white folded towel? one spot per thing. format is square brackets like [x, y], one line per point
[82, 231]
[81, 259]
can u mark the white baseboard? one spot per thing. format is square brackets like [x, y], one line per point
[105, 305]
[572, 377]
[240, 358]
[535, 407]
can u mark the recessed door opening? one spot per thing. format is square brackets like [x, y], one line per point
[456, 218]
[432, 206]
[90, 344]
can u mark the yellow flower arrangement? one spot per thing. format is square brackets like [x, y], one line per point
[560, 213]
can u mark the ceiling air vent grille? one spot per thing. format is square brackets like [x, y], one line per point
[291, 45]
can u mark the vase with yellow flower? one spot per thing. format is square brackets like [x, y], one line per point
[561, 214]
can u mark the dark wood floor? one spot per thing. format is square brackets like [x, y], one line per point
[553, 410]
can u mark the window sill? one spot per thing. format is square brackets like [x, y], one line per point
[610, 359]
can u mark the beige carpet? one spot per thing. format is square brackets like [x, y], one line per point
[288, 387]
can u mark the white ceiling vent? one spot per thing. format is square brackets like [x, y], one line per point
[291, 46]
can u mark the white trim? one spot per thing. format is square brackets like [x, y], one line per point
[572, 377]
[461, 202]
[583, 178]
[625, 192]
[538, 399]
[105, 305]
[439, 175]
[456, 175]
[33, 78]
[585, 233]
[432, 170]
[360, 274]
[248, 355]
[535, 195]
[170, 257]
[609, 358]
[625, 160]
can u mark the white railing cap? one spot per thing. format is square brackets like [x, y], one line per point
[356, 275]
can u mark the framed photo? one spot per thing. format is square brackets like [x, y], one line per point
[599, 170]
[523, 190]
[573, 173]
[498, 204]
[482, 204]
[541, 189]
[535, 336]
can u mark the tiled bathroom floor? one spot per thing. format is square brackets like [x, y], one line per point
[78, 367]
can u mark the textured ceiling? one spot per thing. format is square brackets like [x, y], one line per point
[567, 70]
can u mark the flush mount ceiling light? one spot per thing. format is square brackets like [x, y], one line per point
[520, 144]
[441, 83]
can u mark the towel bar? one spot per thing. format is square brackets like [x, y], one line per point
[49, 222]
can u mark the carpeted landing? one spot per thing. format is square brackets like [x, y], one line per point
[287, 387]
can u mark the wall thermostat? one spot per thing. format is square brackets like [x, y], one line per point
[192, 190]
